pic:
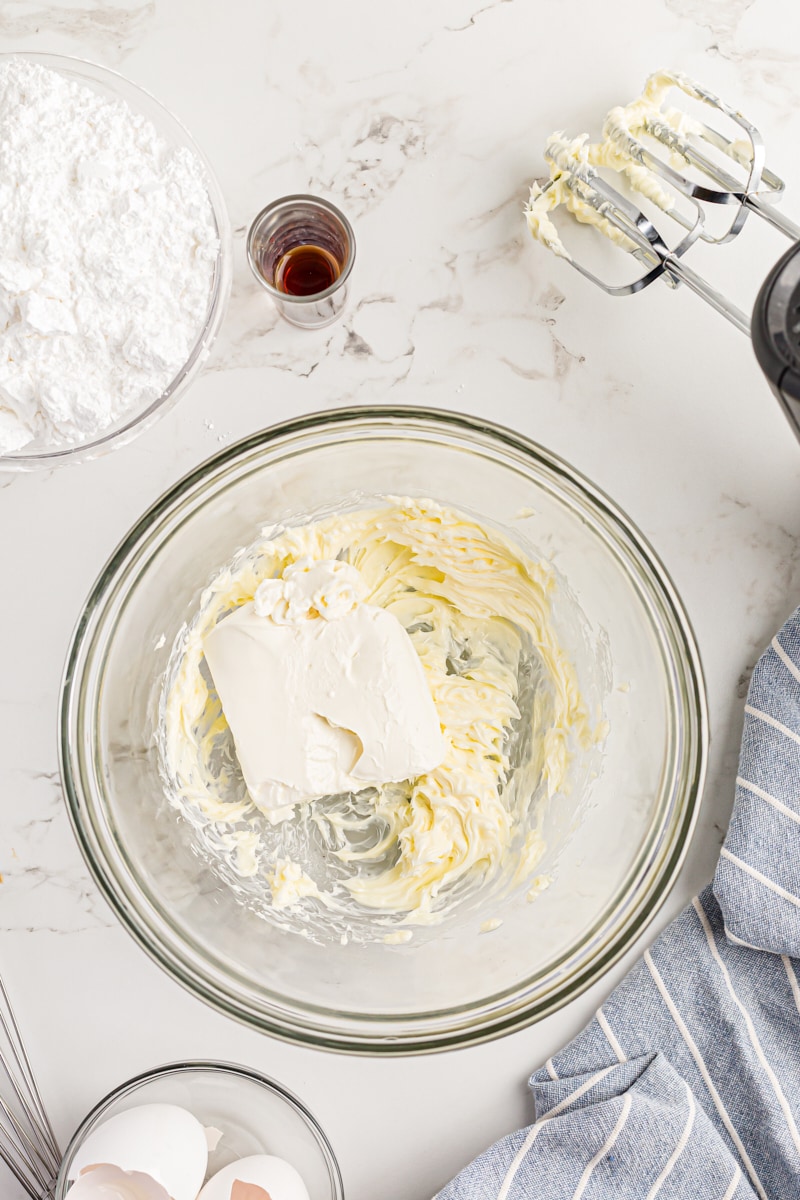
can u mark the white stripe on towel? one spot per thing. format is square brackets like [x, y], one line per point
[757, 791]
[784, 657]
[792, 981]
[603, 1151]
[534, 1131]
[679, 1149]
[612, 1041]
[768, 883]
[731, 1192]
[702, 1068]
[748, 1020]
[585, 1087]
[737, 941]
[762, 716]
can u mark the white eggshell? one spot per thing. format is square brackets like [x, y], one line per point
[112, 1183]
[160, 1140]
[278, 1178]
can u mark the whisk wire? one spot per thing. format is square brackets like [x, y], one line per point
[34, 1104]
[28, 1144]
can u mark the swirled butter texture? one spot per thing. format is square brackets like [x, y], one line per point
[475, 612]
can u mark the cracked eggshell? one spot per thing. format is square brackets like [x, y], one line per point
[163, 1141]
[112, 1183]
[275, 1176]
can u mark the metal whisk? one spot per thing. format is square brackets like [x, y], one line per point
[27, 1142]
[652, 149]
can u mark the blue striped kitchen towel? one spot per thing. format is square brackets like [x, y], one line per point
[686, 1085]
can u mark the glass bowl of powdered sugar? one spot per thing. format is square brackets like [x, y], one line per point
[115, 260]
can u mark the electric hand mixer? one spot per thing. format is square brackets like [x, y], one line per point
[677, 164]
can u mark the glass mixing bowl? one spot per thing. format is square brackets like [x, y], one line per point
[112, 86]
[614, 852]
[254, 1114]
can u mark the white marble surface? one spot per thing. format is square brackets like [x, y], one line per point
[425, 122]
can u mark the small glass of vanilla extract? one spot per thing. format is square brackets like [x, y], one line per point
[301, 250]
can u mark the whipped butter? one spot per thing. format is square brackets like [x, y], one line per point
[570, 160]
[476, 618]
[322, 692]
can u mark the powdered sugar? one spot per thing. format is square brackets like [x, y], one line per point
[107, 251]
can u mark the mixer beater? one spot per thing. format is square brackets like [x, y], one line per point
[675, 165]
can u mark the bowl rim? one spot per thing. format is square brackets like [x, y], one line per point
[191, 1066]
[495, 1018]
[88, 72]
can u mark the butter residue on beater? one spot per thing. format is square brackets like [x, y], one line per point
[475, 607]
[570, 159]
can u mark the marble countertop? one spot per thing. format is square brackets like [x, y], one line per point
[424, 122]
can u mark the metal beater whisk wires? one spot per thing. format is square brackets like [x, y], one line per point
[27, 1143]
[577, 185]
[676, 165]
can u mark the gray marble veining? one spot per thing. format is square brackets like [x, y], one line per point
[425, 123]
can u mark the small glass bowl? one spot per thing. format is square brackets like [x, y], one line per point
[112, 86]
[294, 221]
[255, 1115]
